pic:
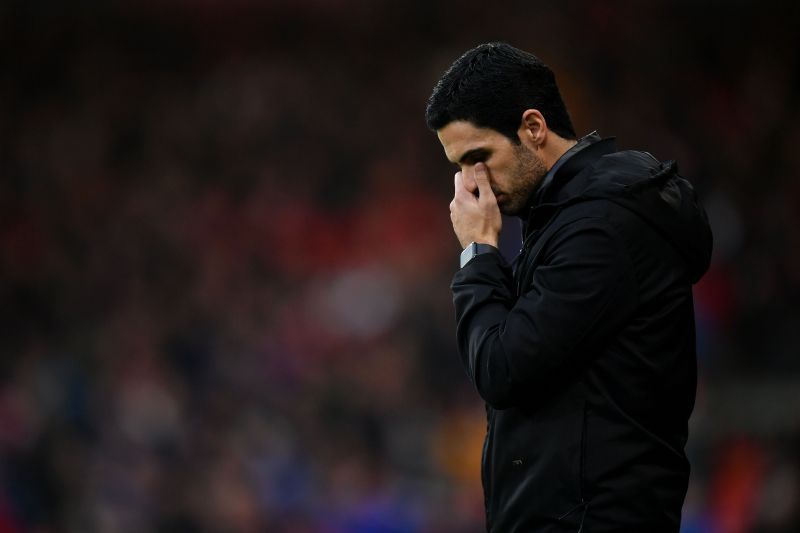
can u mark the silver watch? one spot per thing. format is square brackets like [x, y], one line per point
[476, 248]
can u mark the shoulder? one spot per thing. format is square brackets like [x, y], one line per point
[580, 227]
[627, 163]
[600, 212]
[607, 216]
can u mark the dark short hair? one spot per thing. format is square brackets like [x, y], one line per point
[491, 86]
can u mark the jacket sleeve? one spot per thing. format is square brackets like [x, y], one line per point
[582, 290]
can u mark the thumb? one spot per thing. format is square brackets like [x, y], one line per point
[482, 179]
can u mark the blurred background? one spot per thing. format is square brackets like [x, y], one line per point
[226, 252]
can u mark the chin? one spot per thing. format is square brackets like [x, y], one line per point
[509, 210]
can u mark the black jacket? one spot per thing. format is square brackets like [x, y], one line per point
[585, 352]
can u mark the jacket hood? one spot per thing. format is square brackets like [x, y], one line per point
[650, 188]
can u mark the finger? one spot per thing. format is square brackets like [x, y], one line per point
[460, 190]
[468, 178]
[481, 176]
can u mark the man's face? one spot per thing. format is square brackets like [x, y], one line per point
[514, 170]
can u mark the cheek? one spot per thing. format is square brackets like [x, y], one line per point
[499, 175]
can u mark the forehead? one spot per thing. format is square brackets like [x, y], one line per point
[460, 136]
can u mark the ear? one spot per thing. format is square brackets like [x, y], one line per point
[533, 129]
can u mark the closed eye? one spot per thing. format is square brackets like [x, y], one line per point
[474, 156]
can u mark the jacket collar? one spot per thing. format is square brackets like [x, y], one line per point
[557, 185]
[588, 149]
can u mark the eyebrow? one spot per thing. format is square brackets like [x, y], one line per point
[472, 154]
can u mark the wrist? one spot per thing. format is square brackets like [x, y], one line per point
[491, 241]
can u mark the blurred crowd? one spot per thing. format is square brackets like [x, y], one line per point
[225, 256]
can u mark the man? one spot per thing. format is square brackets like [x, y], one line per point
[584, 351]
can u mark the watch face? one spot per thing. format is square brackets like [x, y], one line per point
[468, 253]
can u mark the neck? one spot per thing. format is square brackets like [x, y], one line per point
[555, 148]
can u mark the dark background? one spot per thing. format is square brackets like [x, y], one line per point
[226, 252]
